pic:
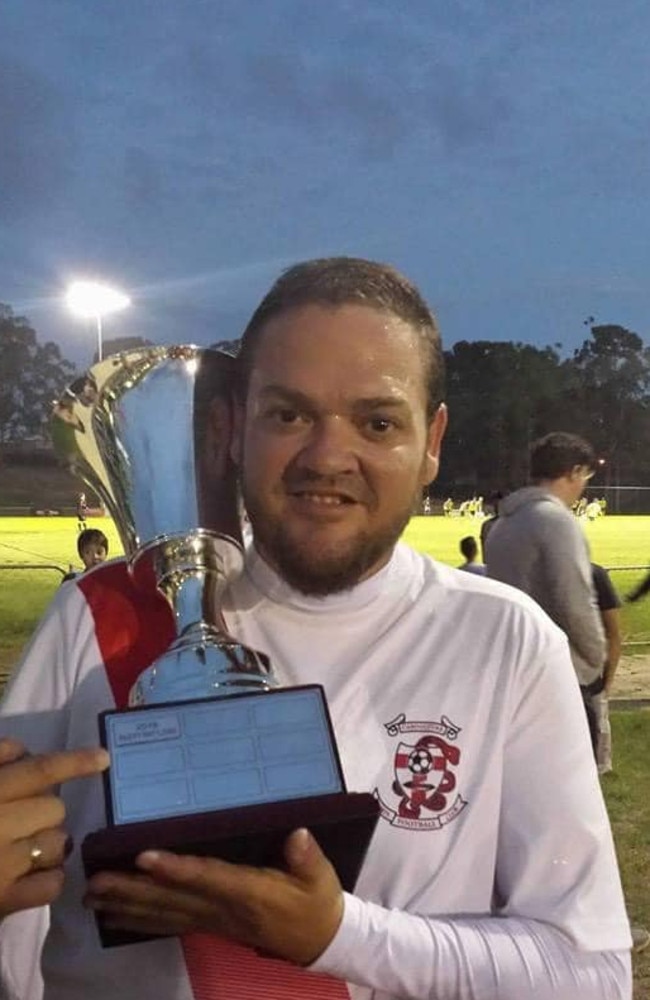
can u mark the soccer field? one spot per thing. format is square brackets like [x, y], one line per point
[25, 593]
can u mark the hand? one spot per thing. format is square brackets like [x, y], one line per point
[292, 914]
[33, 843]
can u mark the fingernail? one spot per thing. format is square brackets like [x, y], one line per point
[148, 859]
[301, 840]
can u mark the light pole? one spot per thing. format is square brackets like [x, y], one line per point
[93, 300]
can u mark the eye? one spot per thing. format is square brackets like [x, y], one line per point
[285, 416]
[380, 426]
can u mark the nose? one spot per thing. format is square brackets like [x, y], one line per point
[330, 448]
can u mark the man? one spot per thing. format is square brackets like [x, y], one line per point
[537, 546]
[491, 873]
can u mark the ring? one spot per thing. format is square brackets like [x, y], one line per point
[35, 855]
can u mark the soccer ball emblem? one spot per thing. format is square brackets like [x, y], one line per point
[420, 761]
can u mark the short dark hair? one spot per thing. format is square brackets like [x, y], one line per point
[557, 454]
[469, 547]
[91, 536]
[338, 281]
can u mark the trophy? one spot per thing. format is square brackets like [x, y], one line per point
[211, 757]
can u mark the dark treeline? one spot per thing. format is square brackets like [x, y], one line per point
[501, 396]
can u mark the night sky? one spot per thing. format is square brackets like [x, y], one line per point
[187, 151]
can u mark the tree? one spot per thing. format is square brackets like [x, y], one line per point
[609, 387]
[500, 396]
[33, 375]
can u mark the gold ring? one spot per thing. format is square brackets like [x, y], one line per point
[35, 855]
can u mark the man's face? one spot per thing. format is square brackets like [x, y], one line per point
[333, 442]
[577, 481]
[92, 554]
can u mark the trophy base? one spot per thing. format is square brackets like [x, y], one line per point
[342, 823]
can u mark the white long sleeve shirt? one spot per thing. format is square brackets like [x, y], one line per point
[494, 879]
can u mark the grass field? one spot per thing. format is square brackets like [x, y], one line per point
[24, 594]
[614, 541]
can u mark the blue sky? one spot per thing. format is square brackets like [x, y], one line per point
[188, 150]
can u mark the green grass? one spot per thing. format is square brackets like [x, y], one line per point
[614, 542]
[24, 594]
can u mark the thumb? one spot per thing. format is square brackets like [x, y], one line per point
[303, 856]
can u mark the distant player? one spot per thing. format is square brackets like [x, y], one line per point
[593, 510]
[82, 512]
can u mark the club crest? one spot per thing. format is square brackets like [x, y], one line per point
[424, 781]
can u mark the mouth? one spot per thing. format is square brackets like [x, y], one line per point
[323, 499]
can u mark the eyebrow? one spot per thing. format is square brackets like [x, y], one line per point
[300, 399]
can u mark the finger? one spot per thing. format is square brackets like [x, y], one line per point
[115, 889]
[10, 750]
[304, 858]
[38, 889]
[198, 875]
[25, 817]
[47, 849]
[32, 775]
[168, 919]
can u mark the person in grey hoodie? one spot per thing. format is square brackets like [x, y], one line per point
[537, 545]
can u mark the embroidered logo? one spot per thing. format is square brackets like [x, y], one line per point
[423, 775]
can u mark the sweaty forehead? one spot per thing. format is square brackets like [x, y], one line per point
[316, 347]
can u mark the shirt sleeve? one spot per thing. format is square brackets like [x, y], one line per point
[606, 595]
[571, 600]
[558, 928]
[413, 957]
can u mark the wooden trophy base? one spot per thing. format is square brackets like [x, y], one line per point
[342, 823]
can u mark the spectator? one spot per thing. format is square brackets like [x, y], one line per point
[609, 606]
[92, 547]
[537, 546]
[469, 550]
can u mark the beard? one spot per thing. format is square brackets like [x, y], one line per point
[333, 570]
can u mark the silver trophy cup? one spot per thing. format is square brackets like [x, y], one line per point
[149, 431]
[211, 757]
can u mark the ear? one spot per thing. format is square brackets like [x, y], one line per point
[236, 440]
[435, 434]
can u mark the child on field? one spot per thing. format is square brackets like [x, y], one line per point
[92, 546]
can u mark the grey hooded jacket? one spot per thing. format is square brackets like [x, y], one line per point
[537, 545]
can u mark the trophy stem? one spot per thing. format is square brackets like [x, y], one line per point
[194, 596]
[192, 572]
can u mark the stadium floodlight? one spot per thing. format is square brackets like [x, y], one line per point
[93, 300]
